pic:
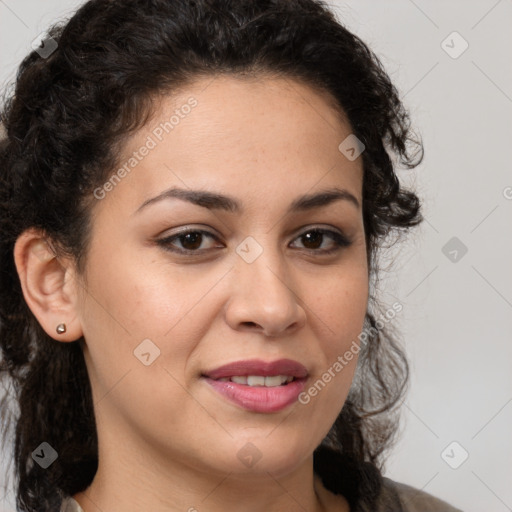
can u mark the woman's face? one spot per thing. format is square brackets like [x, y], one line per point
[257, 282]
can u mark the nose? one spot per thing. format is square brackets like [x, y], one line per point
[264, 298]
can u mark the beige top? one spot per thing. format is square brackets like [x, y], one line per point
[413, 500]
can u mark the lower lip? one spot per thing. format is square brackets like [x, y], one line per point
[259, 398]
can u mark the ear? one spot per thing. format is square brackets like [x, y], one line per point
[49, 285]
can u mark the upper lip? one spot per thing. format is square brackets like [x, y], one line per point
[287, 367]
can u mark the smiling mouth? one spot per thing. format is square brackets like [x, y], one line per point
[259, 386]
[258, 393]
[268, 381]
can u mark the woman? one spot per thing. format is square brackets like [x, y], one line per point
[193, 195]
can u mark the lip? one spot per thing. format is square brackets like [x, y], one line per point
[260, 399]
[259, 367]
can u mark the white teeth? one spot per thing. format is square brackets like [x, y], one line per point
[276, 380]
[258, 380]
[253, 380]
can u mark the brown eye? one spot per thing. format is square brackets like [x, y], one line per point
[313, 239]
[190, 241]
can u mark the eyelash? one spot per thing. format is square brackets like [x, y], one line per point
[340, 241]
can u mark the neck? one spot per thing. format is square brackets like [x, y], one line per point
[134, 481]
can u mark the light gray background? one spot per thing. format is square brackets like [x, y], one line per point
[456, 320]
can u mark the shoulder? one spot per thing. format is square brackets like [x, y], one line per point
[70, 505]
[416, 500]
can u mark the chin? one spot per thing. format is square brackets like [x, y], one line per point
[261, 457]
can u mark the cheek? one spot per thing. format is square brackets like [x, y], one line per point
[339, 315]
[138, 296]
[130, 300]
[132, 310]
[341, 307]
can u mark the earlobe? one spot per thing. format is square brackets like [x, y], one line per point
[49, 286]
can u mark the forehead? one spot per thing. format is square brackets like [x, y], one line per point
[263, 137]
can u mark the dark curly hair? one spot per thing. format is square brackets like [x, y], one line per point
[64, 121]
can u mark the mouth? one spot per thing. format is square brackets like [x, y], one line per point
[259, 386]
[256, 369]
[270, 381]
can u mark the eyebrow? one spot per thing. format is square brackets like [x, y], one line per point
[216, 201]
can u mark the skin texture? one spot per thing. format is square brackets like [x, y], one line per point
[167, 441]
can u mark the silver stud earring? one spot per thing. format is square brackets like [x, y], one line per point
[61, 328]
